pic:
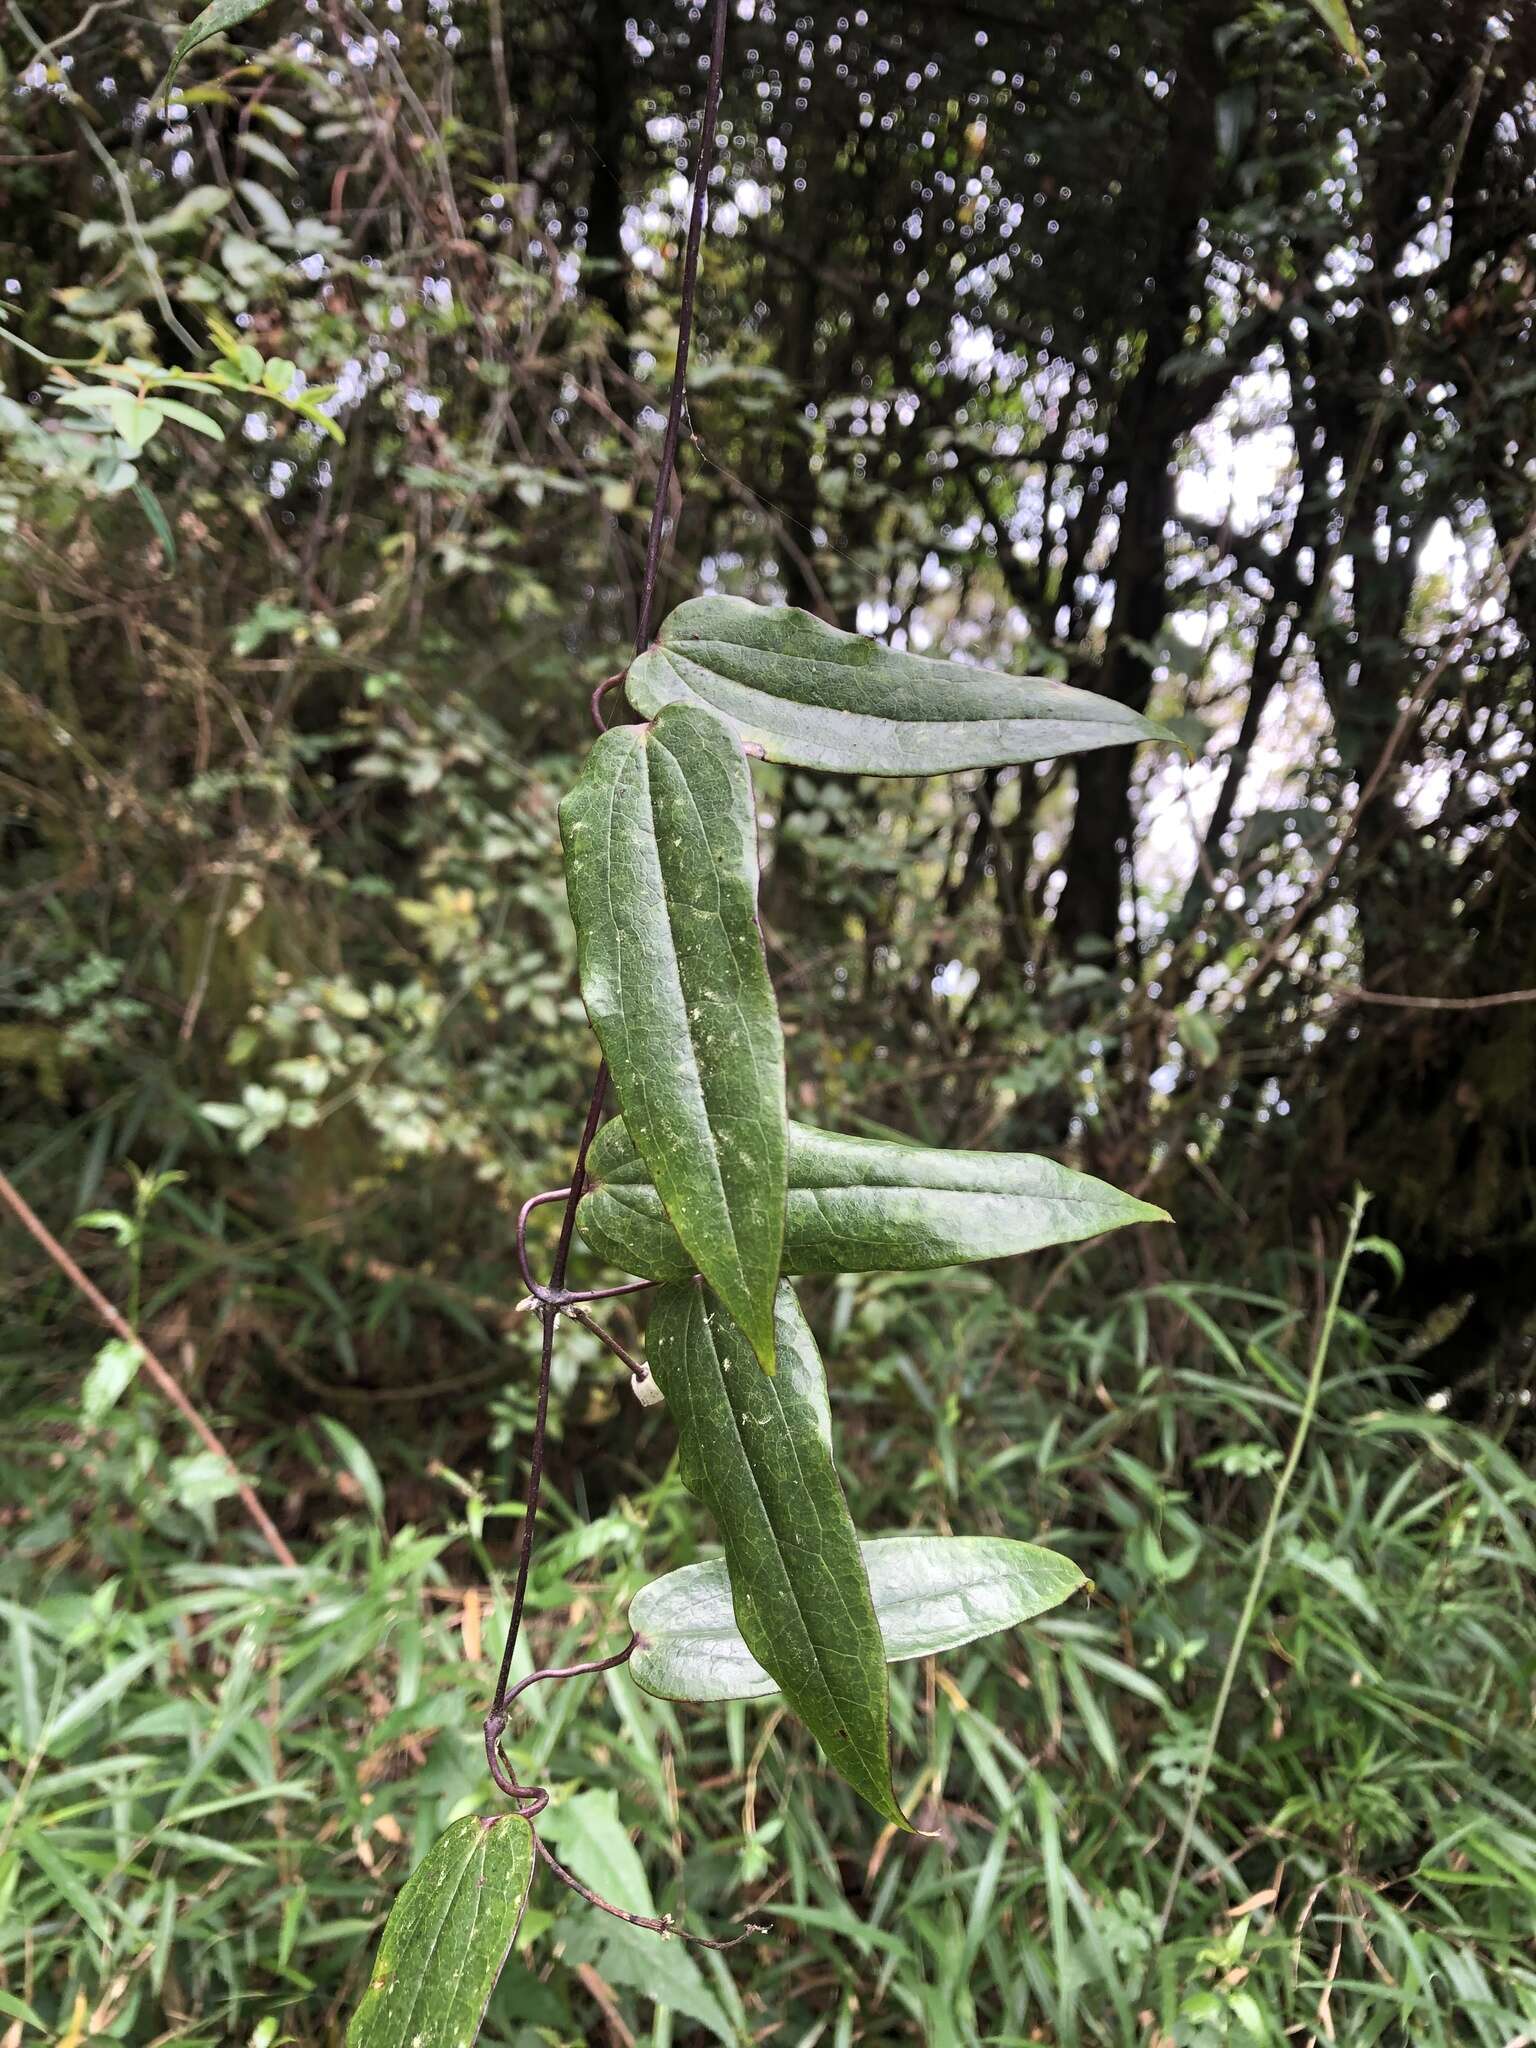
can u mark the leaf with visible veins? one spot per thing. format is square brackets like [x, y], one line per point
[808, 693]
[860, 1205]
[931, 1593]
[445, 1942]
[661, 871]
[758, 1453]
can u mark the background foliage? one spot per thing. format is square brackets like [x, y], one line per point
[1156, 347]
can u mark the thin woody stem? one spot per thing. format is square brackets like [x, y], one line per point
[637, 1366]
[562, 1297]
[595, 703]
[541, 1412]
[591, 1664]
[688, 292]
[662, 1924]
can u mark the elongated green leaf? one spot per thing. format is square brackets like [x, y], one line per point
[931, 1593]
[805, 692]
[858, 1205]
[758, 1453]
[444, 1944]
[213, 21]
[661, 872]
[1336, 14]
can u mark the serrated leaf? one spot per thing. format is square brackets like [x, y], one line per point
[806, 692]
[758, 1453]
[447, 1938]
[213, 21]
[860, 1205]
[661, 873]
[931, 1593]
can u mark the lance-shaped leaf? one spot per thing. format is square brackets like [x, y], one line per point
[860, 1205]
[444, 1944]
[213, 21]
[758, 1453]
[805, 692]
[661, 872]
[931, 1593]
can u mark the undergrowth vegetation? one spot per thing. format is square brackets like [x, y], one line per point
[219, 1771]
[1151, 347]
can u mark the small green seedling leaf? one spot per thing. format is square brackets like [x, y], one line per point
[114, 1371]
[805, 692]
[661, 873]
[213, 21]
[931, 1593]
[860, 1205]
[758, 1453]
[444, 1944]
[135, 421]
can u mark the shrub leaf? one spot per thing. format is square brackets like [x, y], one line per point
[931, 1593]
[758, 1453]
[661, 871]
[447, 1938]
[806, 692]
[859, 1205]
[213, 21]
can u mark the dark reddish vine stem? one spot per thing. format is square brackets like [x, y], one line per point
[555, 1299]
[665, 1924]
[561, 1298]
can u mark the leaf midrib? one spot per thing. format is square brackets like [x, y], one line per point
[682, 995]
[620, 1190]
[786, 1575]
[476, 1849]
[679, 649]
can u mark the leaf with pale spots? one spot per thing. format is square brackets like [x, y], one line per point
[661, 873]
[808, 693]
[445, 1942]
[758, 1453]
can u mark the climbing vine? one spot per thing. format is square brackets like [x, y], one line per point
[701, 1188]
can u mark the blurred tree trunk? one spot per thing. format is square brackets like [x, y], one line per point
[613, 98]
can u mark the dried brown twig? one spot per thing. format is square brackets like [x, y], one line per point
[33, 1224]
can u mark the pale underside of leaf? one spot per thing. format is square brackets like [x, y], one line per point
[757, 1452]
[807, 693]
[661, 873]
[931, 1593]
[858, 1205]
[447, 1938]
